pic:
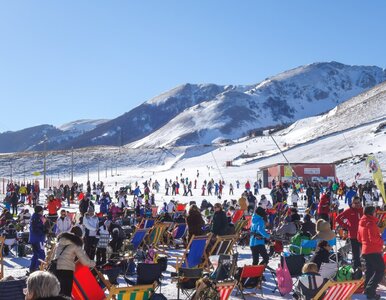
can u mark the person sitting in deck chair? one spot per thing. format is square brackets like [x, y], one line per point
[309, 283]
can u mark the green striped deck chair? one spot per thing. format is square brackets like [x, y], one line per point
[156, 235]
[136, 292]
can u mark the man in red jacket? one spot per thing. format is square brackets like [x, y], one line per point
[372, 245]
[349, 220]
[324, 207]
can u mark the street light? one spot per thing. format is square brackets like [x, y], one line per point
[45, 163]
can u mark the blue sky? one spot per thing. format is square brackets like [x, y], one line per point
[66, 60]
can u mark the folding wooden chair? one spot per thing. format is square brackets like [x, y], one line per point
[178, 233]
[338, 290]
[51, 247]
[239, 225]
[247, 273]
[156, 236]
[237, 215]
[136, 292]
[194, 252]
[223, 245]
[146, 223]
[225, 289]
[137, 238]
[85, 286]
[2, 240]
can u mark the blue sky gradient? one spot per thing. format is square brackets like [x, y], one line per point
[66, 60]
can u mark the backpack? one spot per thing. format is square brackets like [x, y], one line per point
[296, 243]
[284, 280]
[344, 273]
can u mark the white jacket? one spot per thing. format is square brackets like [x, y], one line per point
[91, 223]
[63, 225]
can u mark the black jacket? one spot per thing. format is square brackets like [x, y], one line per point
[220, 223]
[321, 256]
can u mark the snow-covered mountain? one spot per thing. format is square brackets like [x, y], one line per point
[81, 126]
[33, 138]
[302, 92]
[198, 114]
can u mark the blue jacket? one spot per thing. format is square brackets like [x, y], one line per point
[36, 232]
[349, 195]
[258, 226]
[104, 205]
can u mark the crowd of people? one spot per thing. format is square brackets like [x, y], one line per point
[275, 222]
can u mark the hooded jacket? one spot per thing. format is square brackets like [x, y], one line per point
[369, 235]
[349, 219]
[66, 258]
[258, 228]
[36, 233]
[324, 205]
[323, 231]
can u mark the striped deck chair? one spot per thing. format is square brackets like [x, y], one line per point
[156, 235]
[381, 216]
[194, 252]
[338, 290]
[136, 292]
[12, 289]
[237, 215]
[225, 289]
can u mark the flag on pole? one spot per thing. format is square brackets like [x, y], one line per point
[36, 173]
[375, 169]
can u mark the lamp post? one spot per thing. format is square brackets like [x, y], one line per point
[72, 166]
[45, 162]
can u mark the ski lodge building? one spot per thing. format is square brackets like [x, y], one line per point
[321, 172]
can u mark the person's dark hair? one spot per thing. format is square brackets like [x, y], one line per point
[369, 210]
[261, 212]
[307, 218]
[38, 209]
[322, 244]
[77, 231]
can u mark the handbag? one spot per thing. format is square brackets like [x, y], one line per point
[54, 262]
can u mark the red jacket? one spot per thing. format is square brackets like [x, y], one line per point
[349, 220]
[369, 235]
[324, 205]
[53, 206]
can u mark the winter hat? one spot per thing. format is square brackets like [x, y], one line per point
[323, 231]
[77, 231]
[38, 209]
[90, 209]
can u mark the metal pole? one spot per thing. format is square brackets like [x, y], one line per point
[11, 170]
[284, 156]
[24, 174]
[72, 166]
[98, 173]
[106, 171]
[352, 154]
[44, 163]
[88, 174]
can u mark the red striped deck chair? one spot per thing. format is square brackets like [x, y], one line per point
[237, 215]
[338, 290]
[225, 289]
[85, 286]
[181, 207]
